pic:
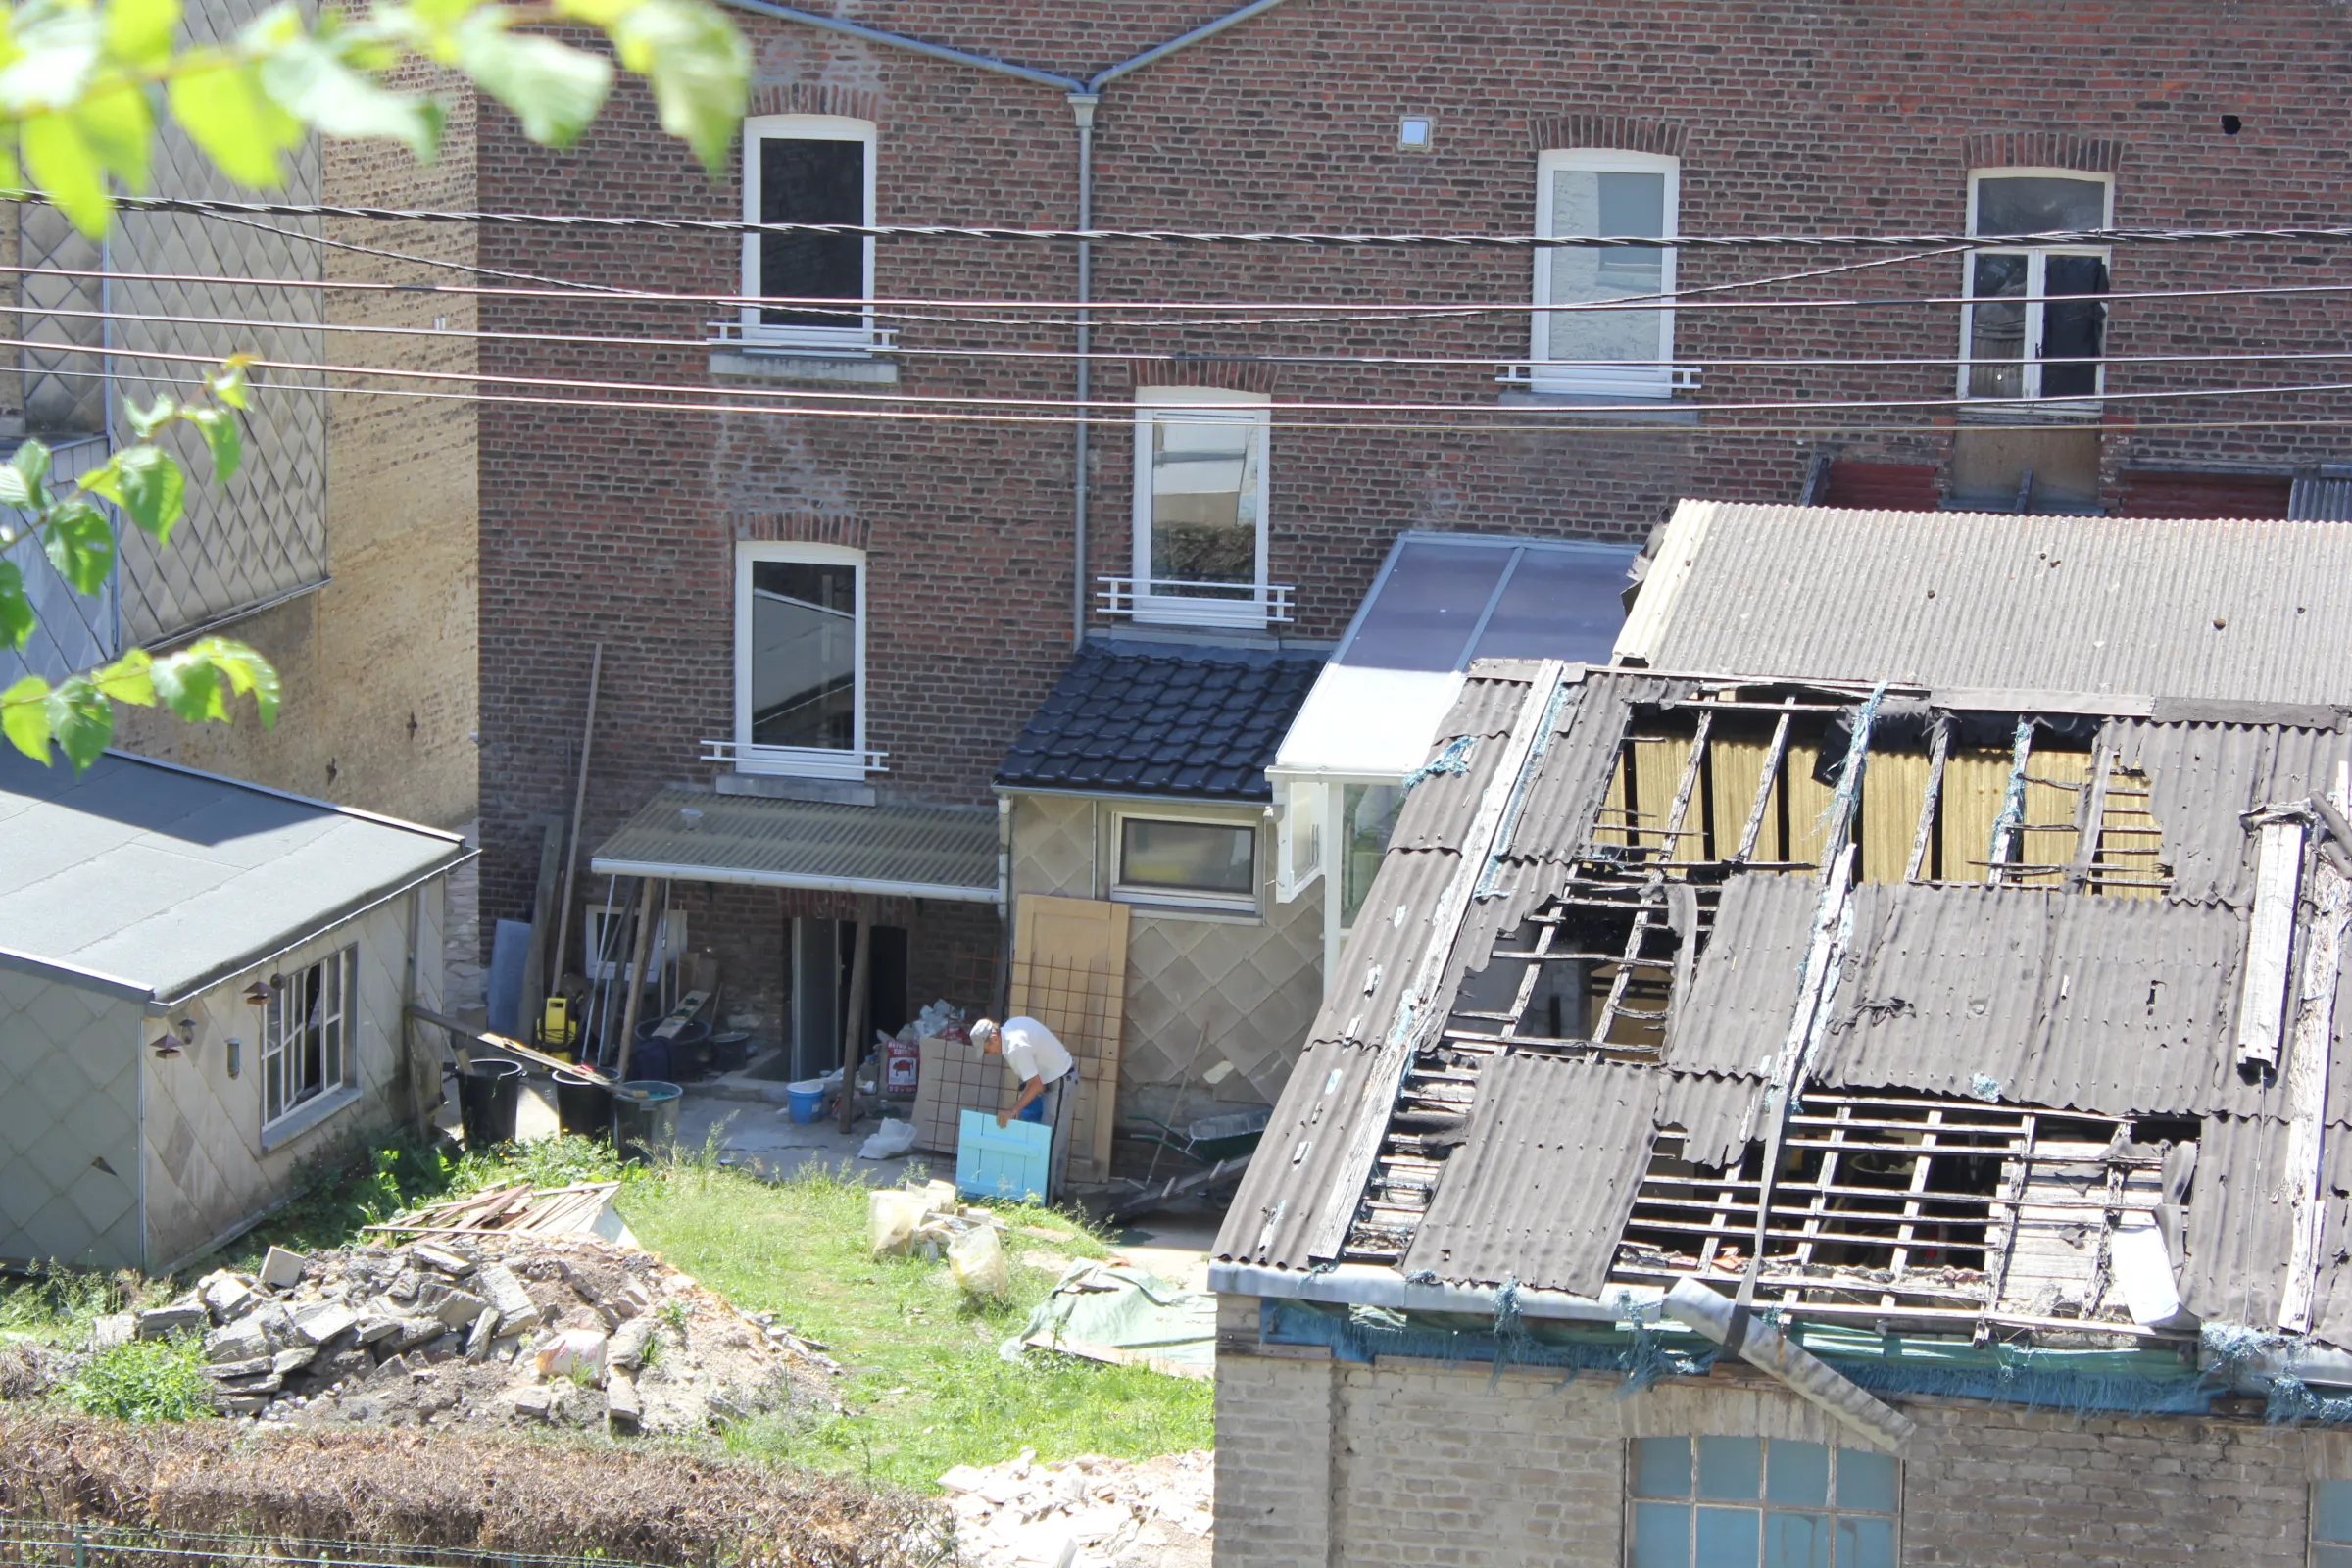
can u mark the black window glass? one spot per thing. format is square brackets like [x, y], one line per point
[2072, 330]
[812, 182]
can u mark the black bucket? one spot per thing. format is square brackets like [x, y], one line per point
[488, 1091]
[731, 1050]
[645, 1118]
[688, 1055]
[583, 1106]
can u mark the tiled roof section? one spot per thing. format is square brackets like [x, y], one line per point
[1195, 721]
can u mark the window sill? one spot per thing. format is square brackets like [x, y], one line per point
[307, 1117]
[801, 365]
[1601, 409]
[1161, 905]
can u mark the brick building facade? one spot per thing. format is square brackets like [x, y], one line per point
[624, 524]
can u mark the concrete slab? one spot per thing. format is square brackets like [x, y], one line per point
[1173, 1247]
[763, 1138]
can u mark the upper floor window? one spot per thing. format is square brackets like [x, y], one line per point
[1758, 1502]
[306, 1034]
[808, 169]
[799, 660]
[1595, 191]
[2035, 323]
[1201, 505]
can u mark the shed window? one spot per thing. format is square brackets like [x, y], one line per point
[306, 1047]
[2037, 321]
[800, 649]
[1758, 1502]
[2331, 1524]
[1208, 863]
[1599, 193]
[808, 169]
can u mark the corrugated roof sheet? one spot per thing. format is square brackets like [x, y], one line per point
[2320, 500]
[2202, 776]
[1440, 805]
[1540, 1189]
[1273, 1216]
[170, 879]
[1743, 987]
[2241, 1226]
[2145, 606]
[928, 851]
[1203, 722]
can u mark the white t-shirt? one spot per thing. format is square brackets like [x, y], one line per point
[1031, 1051]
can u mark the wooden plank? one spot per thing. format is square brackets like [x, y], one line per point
[2090, 827]
[2270, 944]
[2307, 1071]
[544, 894]
[1929, 801]
[1069, 972]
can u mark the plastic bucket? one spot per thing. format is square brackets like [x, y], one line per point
[488, 1091]
[645, 1117]
[807, 1099]
[651, 1060]
[731, 1051]
[583, 1106]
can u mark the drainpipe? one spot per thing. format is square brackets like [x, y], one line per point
[1082, 108]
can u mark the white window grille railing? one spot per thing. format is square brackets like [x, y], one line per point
[756, 338]
[804, 761]
[1594, 380]
[1197, 604]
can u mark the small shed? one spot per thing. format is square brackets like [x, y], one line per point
[203, 993]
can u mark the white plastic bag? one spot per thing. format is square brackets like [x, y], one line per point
[572, 1353]
[977, 1258]
[891, 1216]
[890, 1140]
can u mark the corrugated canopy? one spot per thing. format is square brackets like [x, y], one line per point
[156, 879]
[2152, 608]
[920, 852]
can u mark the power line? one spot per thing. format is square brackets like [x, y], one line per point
[1301, 359]
[1108, 236]
[930, 406]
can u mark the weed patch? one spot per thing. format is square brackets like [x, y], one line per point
[145, 1379]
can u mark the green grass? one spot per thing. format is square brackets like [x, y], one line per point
[145, 1379]
[57, 1308]
[926, 1389]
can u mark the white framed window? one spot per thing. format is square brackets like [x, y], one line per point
[1759, 1502]
[307, 1029]
[2036, 323]
[1201, 505]
[1197, 863]
[604, 941]
[1601, 192]
[799, 660]
[808, 169]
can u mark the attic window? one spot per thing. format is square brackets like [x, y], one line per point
[1892, 1205]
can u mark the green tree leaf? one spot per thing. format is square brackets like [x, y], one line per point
[117, 122]
[698, 66]
[21, 477]
[81, 720]
[554, 90]
[126, 679]
[63, 165]
[218, 427]
[312, 82]
[245, 671]
[146, 484]
[57, 50]
[16, 611]
[81, 546]
[184, 682]
[228, 382]
[25, 718]
[221, 107]
[138, 33]
[147, 420]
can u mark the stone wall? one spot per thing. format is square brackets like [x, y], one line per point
[1409, 1462]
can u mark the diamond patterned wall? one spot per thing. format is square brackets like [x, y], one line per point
[1197, 991]
[54, 403]
[264, 536]
[69, 1124]
[207, 1171]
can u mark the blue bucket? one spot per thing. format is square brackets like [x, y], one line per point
[807, 1100]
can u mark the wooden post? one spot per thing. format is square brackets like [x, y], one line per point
[579, 801]
[543, 908]
[852, 1033]
[634, 979]
[2270, 943]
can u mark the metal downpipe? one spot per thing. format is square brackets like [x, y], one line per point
[1082, 108]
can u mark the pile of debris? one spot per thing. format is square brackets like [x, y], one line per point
[1091, 1512]
[497, 1328]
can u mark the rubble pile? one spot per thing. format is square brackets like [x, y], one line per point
[570, 1330]
[1091, 1512]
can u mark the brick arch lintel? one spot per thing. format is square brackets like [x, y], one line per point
[799, 527]
[1630, 133]
[815, 98]
[1228, 375]
[2041, 148]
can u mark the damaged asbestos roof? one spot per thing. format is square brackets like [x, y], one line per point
[2166, 611]
[1132, 719]
[2007, 963]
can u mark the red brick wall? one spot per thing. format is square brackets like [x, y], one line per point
[1855, 115]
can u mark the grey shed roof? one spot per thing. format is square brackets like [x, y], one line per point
[920, 851]
[157, 880]
[2159, 609]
